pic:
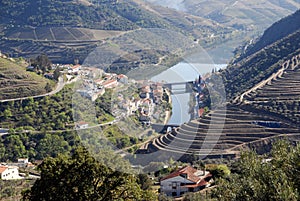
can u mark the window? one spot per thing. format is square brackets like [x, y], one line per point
[174, 185]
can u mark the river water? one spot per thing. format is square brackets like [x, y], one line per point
[181, 73]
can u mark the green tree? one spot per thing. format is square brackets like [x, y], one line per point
[258, 180]
[81, 177]
[7, 114]
[51, 145]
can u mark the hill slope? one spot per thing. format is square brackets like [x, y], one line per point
[279, 43]
[70, 29]
[16, 82]
[263, 105]
[241, 14]
[278, 30]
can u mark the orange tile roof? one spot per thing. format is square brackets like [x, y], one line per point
[2, 169]
[76, 66]
[188, 170]
[109, 82]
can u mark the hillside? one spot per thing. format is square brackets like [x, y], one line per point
[262, 106]
[16, 82]
[240, 14]
[279, 43]
[66, 30]
[278, 30]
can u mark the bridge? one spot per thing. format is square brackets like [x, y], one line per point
[180, 87]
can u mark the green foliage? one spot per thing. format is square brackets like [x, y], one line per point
[42, 63]
[219, 171]
[258, 180]
[103, 14]
[36, 146]
[47, 113]
[81, 177]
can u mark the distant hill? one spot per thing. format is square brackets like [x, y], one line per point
[241, 14]
[70, 29]
[16, 82]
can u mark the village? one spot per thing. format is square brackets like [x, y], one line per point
[142, 99]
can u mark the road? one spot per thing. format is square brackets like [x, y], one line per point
[60, 85]
[5, 131]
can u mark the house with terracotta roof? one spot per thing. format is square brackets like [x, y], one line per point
[74, 69]
[184, 180]
[9, 172]
[109, 84]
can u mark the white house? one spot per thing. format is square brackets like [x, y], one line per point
[9, 172]
[74, 69]
[82, 125]
[187, 179]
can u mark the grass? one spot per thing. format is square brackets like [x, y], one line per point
[16, 82]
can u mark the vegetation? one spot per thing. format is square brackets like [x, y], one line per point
[16, 82]
[107, 15]
[288, 25]
[11, 190]
[81, 177]
[254, 179]
[41, 63]
[36, 146]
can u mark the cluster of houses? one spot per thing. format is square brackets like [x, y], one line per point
[151, 94]
[143, 104]
[94, 84]
[184, 180]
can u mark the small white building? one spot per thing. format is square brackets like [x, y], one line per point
[9, 172]
[82, 125]
[184, 180]
[74, 69]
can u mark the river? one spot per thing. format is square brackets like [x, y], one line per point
[180, 73]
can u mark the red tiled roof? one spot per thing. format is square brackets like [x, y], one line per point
[121, 76]
[108, 82]
[76, 66]
[81, 123]
[2, 169]
[189, 171]
[201, 183]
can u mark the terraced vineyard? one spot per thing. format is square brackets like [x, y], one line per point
[281, 94]
[219, 134]
[268, 111]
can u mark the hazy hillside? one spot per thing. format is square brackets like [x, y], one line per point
[278, 30]
[241, 14]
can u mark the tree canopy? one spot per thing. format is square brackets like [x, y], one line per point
[256, 179]
[81, 177]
